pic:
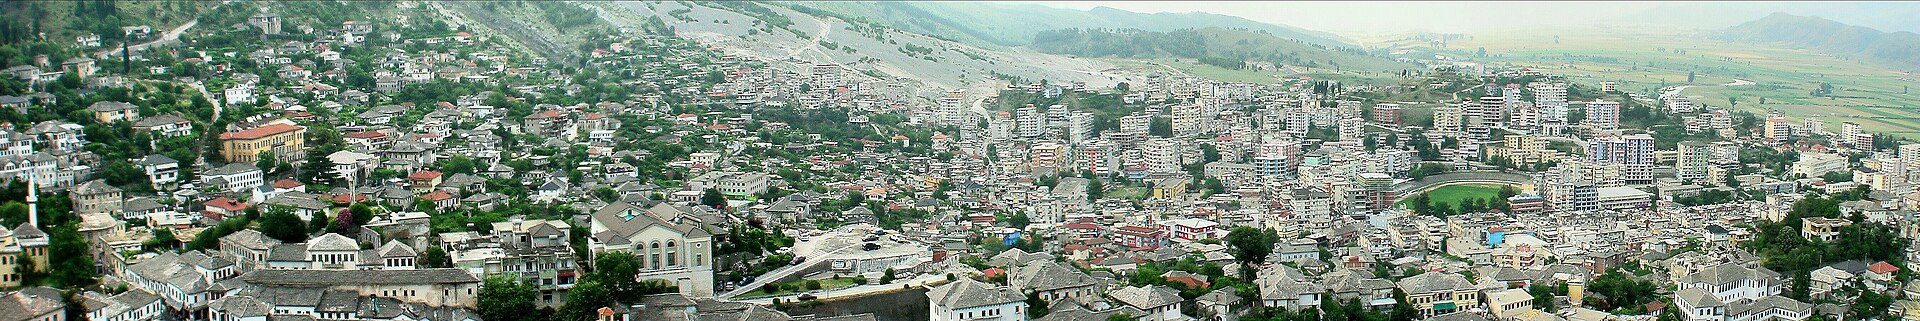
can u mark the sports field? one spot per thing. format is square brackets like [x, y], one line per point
[1451, 195]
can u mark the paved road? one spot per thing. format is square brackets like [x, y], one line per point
[169, 36]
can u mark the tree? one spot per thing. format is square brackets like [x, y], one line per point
[284, 226]
[1019, 220]
[264, 161]
[435, 257]
[619, 271]
[1542, 297]
[504, 298]
[582, 301]
[68, 259]
[888, 277]
[713, 198]
[1036, 307]
[1160, 127]
[1249, 245]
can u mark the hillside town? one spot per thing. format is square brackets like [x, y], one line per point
[262, 169]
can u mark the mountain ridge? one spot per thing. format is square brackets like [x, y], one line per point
[1900, 48]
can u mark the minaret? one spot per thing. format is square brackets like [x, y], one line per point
[33, 200]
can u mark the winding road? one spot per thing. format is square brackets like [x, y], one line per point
[170, 36]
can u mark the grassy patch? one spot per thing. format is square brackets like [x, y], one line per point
[1452, 194]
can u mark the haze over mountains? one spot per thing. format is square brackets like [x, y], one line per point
[1900, 48]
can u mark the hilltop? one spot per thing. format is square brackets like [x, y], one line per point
[1896, 48]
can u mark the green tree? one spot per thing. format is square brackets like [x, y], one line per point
[504, 298]
[713, 198]
[435, 257]
[264, 161]
[1160, 127]
[68, 259]
[1019, 220]
[1249, 245]
[582, 301]
[1036, 307]
[284, 226]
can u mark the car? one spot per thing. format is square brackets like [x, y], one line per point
[808, 296]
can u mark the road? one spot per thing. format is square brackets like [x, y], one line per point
[166, 37]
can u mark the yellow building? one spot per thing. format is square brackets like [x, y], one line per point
[1169, 188]
[24, 239]
[286, 141]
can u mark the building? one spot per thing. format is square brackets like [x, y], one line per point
[1817, 164]
[1634, 154]
[1694, 161]
[285, 141]
[1603, 115]
[969, 300]
[96, 197]
[107, 112]
[1162, 155]
[1778, 129]
[33, 304]
[186, 281]
[1190, 229]
[233, 178]
[444, 287]
[1052, 281]
[1439, 293]
[1623, 198]
[674, 242]
[1160, 303]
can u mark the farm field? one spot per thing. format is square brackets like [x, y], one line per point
[1749, 77]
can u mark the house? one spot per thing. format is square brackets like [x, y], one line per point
[1051, 281]
[107, 112]
[162, 171]
[1160, 303]
[445, 287]
[424, 181]
[185, 281]
[1699, 305]
[132, 305]
[233, 178]
[220, 207]
[675, 242]
[969, 300]
[1730, 282]
[33, 304]
[1222, 304]
[96, 197]
[1439, 293]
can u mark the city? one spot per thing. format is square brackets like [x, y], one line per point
[842, 161]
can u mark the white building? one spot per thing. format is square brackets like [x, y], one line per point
[969, 300]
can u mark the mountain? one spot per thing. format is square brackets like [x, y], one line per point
[1896, 48]
[1222, 47]
[1010, 25]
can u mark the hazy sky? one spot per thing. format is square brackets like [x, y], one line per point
[1485, 16]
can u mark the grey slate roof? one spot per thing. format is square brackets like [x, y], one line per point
[967, 293]
[1146, 298]
[324, 278]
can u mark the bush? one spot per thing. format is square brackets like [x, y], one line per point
[813, 285]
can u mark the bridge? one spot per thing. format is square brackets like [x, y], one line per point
[1431, 182]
